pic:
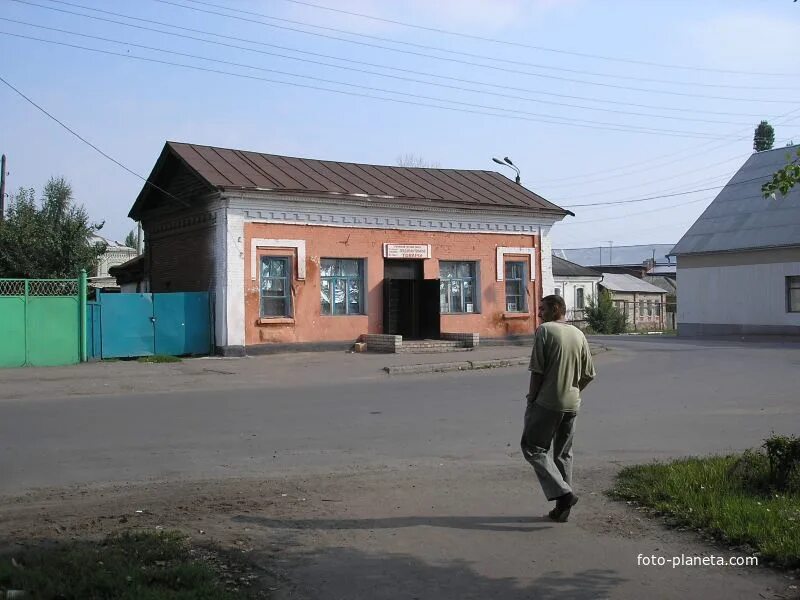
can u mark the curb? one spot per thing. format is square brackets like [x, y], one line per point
[469, 365]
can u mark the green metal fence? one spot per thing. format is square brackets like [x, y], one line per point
[42, 321]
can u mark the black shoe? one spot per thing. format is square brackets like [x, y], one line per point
[564, 505]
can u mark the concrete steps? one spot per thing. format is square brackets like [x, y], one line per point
[432, 346]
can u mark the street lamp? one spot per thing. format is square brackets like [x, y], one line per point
[506, 162]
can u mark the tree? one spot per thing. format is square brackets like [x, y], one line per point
[47, 241]
[603, 316]
[130, 239]
[784, 179]
[412, 160]
[764, 137]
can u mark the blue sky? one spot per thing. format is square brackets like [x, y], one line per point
[699, 120]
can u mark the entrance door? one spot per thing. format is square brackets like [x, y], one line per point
[401, 297]
[430, 306]
[410, 303]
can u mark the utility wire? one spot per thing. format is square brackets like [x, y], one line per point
[465, 54]
[364, 71]
[88, 143]
[648, 198]
[350, 61]
[475, 108]
[529, 46]
[459, 61]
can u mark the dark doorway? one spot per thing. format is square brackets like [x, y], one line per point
[410, 303]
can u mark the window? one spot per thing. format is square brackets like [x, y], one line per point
[557, 292]
[649, 308]
[793, 293]
[579, 301]
[275, 287]
[515, 287]
[641, 308]
[457, 287]
[658, 309]
[342, 286]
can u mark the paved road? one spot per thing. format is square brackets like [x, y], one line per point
[652, 399]
[425, 493]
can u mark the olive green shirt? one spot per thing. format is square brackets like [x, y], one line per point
[561, 355]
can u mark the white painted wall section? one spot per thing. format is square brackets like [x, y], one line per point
[736, 295]
[546, 249]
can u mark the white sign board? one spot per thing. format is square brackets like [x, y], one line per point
[406, 251]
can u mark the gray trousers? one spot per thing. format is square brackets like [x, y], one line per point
[545, 428]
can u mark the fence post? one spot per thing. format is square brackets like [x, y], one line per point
[82, 283]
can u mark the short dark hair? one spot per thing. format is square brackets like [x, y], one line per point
[556, 304]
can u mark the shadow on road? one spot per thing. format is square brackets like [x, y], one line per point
[501, 524]
[347, 573]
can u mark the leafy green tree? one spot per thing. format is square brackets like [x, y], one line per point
[784, 179]
[130, 239]
[51, 239]
[764, 137]
[603, 317]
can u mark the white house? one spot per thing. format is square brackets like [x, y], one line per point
[115, 254]
[576, 284]
[739, 264]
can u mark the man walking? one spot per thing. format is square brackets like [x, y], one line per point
[561, 367]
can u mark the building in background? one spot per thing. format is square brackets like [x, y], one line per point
[322, 252]
[115, 254]
[739, 264]
[577, 285]
[639, 261]
[642, 303]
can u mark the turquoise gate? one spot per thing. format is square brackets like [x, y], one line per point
[132, 325]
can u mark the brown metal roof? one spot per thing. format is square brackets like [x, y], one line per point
[224, 168]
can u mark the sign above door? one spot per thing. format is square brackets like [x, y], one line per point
[406, 251]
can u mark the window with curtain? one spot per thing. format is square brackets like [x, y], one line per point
[515, 286]
[457, 287]
[275, 286]
[342, 286]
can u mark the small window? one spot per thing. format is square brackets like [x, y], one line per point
[579, 300]
[515, 287]
[649, 308]
[557, 292]
[641, 308]
[793, 293]
[275, 287]
[342, 286]
[457, 287]
[658, 309]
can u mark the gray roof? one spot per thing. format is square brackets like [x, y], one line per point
[668, 284]
[740, 218]
[616, 256]
[617, 282]
[564, 268]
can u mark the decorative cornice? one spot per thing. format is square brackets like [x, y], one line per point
[298, 210]
[184, 222]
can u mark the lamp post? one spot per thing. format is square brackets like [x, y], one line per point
[506, 162]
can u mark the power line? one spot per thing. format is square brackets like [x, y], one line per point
[206, 58]
[358, 62]
[529, 46]
[466, 54]
[647, 199]
[477, 108]
[726, 176]
[88, 143]
[634, 214]
[703, 148]
[455, 60]
[364, 71]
